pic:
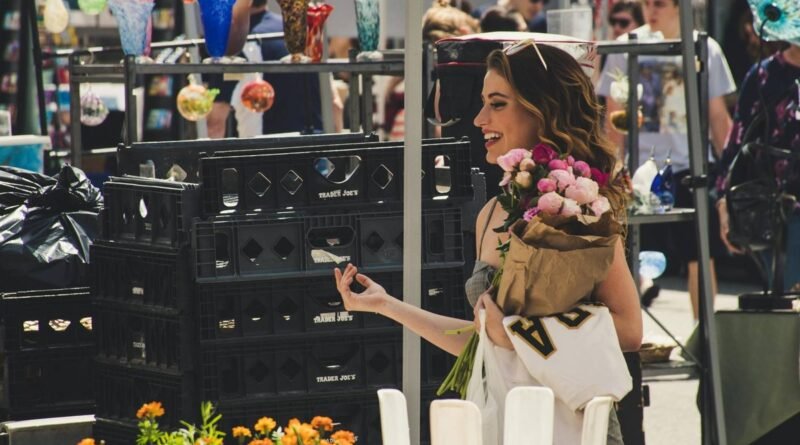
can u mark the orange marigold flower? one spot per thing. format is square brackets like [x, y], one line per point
[87, 441]
[261, 442]
[343, 437]
[322, 423]
[151, 410]
[293, 422]
[208, 441]
[308, 433]
[241, 431]
[265, 425]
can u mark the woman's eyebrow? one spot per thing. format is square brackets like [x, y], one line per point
[491, 95]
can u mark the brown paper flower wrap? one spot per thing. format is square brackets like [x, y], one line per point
[555, 261]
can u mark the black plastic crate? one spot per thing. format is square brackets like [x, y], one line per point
[287, 306]
[247, 368]
[120, 390]
[114, 432]
[292, 245]
[178, 160]
[142, 277]
[152, 212]
[46, 381]
[42, 319]
[332, 176]
[162, 341]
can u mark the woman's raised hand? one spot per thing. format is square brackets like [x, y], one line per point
[494, 321]
[371, 300]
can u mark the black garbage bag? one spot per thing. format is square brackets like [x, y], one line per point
[46, 227]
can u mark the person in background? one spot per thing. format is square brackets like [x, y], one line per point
[532, 12]
[498, 18]
[624, 17]
[671, 141]
[440, 21]
[777, 79]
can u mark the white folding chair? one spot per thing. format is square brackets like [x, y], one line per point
[394, 417]
[455, 422]
[595, 421]
[529, 416]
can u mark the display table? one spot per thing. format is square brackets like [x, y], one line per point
[759, 368]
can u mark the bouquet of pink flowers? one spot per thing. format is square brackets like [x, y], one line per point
[562, 234]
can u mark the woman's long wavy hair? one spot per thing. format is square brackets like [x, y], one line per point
[562, 100]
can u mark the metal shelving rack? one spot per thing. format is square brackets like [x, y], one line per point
[713, 419]
[128, 70]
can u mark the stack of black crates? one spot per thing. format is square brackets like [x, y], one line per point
[47, 346]
[224, 291]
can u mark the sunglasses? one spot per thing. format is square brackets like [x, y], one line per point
[522, 44]
[622, 23]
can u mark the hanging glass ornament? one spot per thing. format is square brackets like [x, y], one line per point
[216, 16]
[92, 7]
[56, 16]
[93, 111]
[134, 21]
[195, 101]
[645, 201]
[663, 186]
[368, 24]
[294, 29]
[317, 15]
[258, 96]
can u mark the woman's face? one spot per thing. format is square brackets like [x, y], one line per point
[504, 122]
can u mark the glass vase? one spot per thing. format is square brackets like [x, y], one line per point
[317, 15]
[216, 16]
[368, 23]
[294, 29]
[133, 19]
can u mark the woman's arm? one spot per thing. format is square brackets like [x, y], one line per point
[618, 293]
[426, 324]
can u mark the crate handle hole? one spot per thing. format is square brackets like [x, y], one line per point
[259, 371]
[382, 176]
[252, 250]
[291, 368]
[176, 173]
[30, 326]
[374, 242]
[441, 175]
[337, 170]
[287, 308]
[227, 324]
[222, 249]
[59, 324]
[230, 187]
[379, 362]
[255, 311]
[86, 322]
[331, 237]
[283, 248]
[143, 211]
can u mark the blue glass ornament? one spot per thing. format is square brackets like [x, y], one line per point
[652, 264]
[216, 16]
[132, 17]
[782, 19]
[368, 23]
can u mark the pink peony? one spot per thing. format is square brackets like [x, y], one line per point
[570, 208]
[570, 160]
[530, 213]
[546, 185]
[600, 205]
[550, 203]
[599, 177]
[562, 178]
[506, 179]
[543, 153]
[510, 161]
[583, 191]
[582, 169]
[524, 180]
[557, 164]
[527, 164]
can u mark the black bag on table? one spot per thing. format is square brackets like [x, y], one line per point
[46, 227]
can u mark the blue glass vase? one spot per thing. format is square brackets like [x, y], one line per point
[133, 17]
[216, 16]
[368, 23]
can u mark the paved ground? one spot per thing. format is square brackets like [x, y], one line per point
[672, 417]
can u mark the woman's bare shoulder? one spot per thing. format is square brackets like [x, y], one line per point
[483, 215]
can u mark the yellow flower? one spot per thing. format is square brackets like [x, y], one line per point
[322, 423]
[343, 437]
[299, 434]
[265, 425]
[87, 441]
[261, 442]
[208, 441]
[293, 422]
[150, 410]
[241, 431]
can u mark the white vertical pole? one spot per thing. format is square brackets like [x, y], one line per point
[191, 25]
[412, 208]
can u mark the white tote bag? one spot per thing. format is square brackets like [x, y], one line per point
[487, 388]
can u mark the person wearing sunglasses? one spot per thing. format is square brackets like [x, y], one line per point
[532, 11]
[664, 129]
[531, 94]
[625, 16]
